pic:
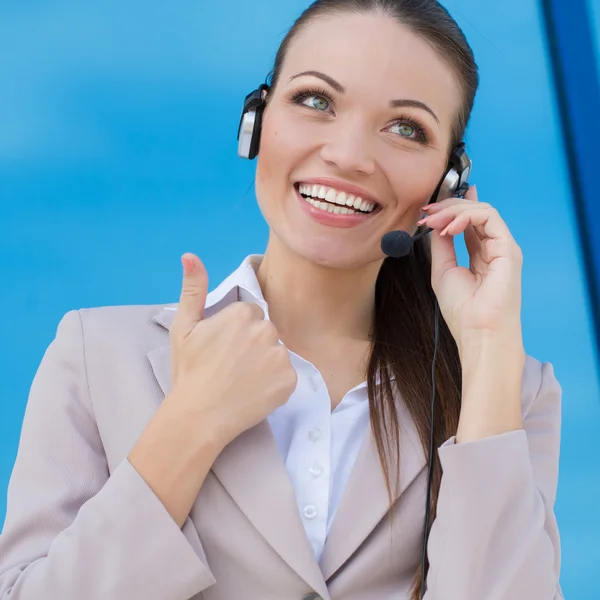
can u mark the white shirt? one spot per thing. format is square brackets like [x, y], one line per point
[319, 446]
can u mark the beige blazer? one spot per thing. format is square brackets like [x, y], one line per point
[82, 524]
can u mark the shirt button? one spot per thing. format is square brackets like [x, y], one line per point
[310, 511]
[312, 596]
[314, 435]
[316, 470]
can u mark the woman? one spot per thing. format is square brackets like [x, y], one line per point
[271, 439]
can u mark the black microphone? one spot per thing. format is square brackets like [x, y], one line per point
[399, 243]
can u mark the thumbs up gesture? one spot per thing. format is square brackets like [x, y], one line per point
[229, 368]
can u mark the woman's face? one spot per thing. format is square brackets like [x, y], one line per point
[363, 109]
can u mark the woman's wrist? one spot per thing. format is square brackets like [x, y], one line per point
[174, 455]
[476, 341]
[203, 430]
[492, 376]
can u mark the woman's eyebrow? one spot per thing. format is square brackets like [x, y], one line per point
[338, 87]
[414, 104]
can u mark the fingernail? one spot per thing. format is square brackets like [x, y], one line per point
[188, 264]
[426, 207]
[445, 231]
[422, 221]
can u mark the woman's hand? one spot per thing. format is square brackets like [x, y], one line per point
[482, 308]
[484, 299]
[228, 373]
[229, 368]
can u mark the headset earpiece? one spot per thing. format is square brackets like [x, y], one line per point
[456, 180]
[251, 122]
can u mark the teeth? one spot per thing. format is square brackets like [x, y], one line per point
[340, 210]
[334, 197]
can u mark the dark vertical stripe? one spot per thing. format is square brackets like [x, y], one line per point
[573, 56]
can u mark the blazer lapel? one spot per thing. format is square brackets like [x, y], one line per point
[365, 498]
[252, 471]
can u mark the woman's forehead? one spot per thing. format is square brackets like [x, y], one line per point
[374, 55]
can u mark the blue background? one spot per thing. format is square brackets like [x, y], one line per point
[118, 153]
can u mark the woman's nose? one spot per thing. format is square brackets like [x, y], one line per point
[347, 149]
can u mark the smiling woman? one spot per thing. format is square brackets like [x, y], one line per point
[271, 439]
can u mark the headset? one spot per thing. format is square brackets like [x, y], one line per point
[453, 183]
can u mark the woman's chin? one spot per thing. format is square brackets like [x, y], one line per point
[332, 255]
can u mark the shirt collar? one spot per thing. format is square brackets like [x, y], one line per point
[242, 283]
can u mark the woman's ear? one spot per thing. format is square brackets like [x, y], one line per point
[267, 95]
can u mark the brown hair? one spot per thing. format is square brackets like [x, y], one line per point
[403, 326]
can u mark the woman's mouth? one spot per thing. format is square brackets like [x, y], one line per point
[333, 208]
[328, 199]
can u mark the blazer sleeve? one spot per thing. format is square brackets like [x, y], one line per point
[495, 536]
[73, 531]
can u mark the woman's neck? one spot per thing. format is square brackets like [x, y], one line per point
[309, 302]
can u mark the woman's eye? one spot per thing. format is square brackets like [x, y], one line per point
[403, 129]
[318, 102]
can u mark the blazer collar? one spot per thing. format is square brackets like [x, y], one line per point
[253, 472]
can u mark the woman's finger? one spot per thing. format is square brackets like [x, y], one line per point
[472, 238]
[194, 289]
[472, 241]
[484, 218]
[469, 198]
[443, 250]
[471, 194]
[443, 256]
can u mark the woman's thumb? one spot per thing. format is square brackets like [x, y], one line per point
[194, 289]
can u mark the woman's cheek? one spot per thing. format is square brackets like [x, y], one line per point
[286, 142]
[284, 147]
[272, 152]
[414, 184]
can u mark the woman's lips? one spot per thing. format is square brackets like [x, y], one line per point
[333, 219]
